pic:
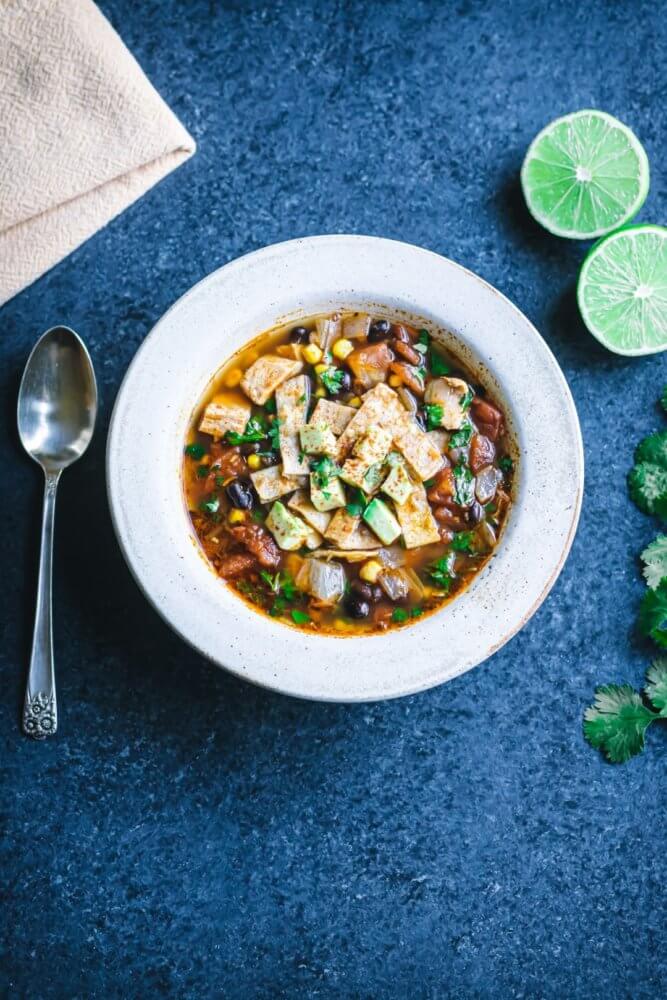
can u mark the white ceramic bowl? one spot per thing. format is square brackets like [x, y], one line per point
[283, 283]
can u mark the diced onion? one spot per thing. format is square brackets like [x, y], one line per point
[486, 483]
[327, 581]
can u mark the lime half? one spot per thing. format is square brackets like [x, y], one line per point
[585, 175]
[622, 290]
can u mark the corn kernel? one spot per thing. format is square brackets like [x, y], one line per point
[312, 354]
[320, 369]
[371, 570]
[250, 358]
[254, 462]
[342, 348]
[289, 351]
[233, 378]
[236, 516]
[341, 625]
[394, 381]
[320, 393]
[355, 401]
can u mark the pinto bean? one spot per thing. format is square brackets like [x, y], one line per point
[408, 376]
[482, 452]
[407, 352]
[259, 542]
[488, 418]
[229, 461]
[450, 518]
[443, 487]
[236, 565]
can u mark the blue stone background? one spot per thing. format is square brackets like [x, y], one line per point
[186, 835]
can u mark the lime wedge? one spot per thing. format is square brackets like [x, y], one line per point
[585, 175]
[622, 290]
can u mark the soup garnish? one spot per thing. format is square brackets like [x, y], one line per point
[347, 475]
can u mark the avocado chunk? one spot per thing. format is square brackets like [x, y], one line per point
[327, 497]
[289, 531]
[380, 519]
[398, 485]
[317, 439]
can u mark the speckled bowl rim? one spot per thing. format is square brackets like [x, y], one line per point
[280, 283]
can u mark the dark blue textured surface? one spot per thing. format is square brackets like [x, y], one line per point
[186, 835]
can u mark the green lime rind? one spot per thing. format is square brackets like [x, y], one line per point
[622, 290]
[584, 175]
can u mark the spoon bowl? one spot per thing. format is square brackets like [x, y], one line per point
[57, 408]
[57, 400]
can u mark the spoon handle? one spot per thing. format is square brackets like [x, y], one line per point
[40, 713]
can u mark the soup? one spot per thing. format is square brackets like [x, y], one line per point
[347, 475]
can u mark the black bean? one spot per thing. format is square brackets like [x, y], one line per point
[356, 607]
[362, 590]
[298, 335]
[378, 593]
[240, 495]
[475, 513]
[270, 458]
[345, 384]
[379, 330]
[251, 448]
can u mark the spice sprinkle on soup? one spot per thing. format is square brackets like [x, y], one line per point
[347, 475]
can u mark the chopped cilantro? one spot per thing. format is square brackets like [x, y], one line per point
[434, 414]
[202, 471]
[429, 483]
[278, 607]
[195, 450]
[299, 617]
[464, 485]
[438, 365]
[506, 463]
[323, 469]
[357, 505]
[442, 571]
[421, 372]
[423, 337]
[273, 434]
[210, 506]
[332, 379]
[281, 584]
[258, 514]
[462, 541]
[399, 615]
[219, 480]
[416, 612]
[302, 398]
[270, 405]
[255, 430]
[461, 437]
[467, 399]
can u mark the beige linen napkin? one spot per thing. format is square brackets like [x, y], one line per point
[82, 133]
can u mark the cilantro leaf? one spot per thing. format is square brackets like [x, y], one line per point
[281, 584]
[270, 405]
[654, 558]
[399, 615]
[202, 471]
[464, 485]
[656, 684]
[323, 469]
[653, 614]
[357, 505]
[467, 399]
[299, 617]
[506, 463]
[647, 481]
[255, 430]
[442, 571]
[617, 721]
[210, 506]
[273, 434]
[438, 364]
[332, 379]
[423, 337]
[461, 437]
[663, 399]
[195, 450]
[434, 414]
[462, 542]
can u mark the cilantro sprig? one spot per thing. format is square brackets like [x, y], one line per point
[464, 485]
[332, 379]
[255, 430]
[442, 571]
[434, 413]
[461, 437]
[617, 721]
[195, 450]
[647, 480]
[324, 469]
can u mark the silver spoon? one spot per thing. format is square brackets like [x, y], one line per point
[56, 416]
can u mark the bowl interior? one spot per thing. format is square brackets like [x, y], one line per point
[282, 284]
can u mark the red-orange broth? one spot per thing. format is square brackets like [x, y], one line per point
[347, 474]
